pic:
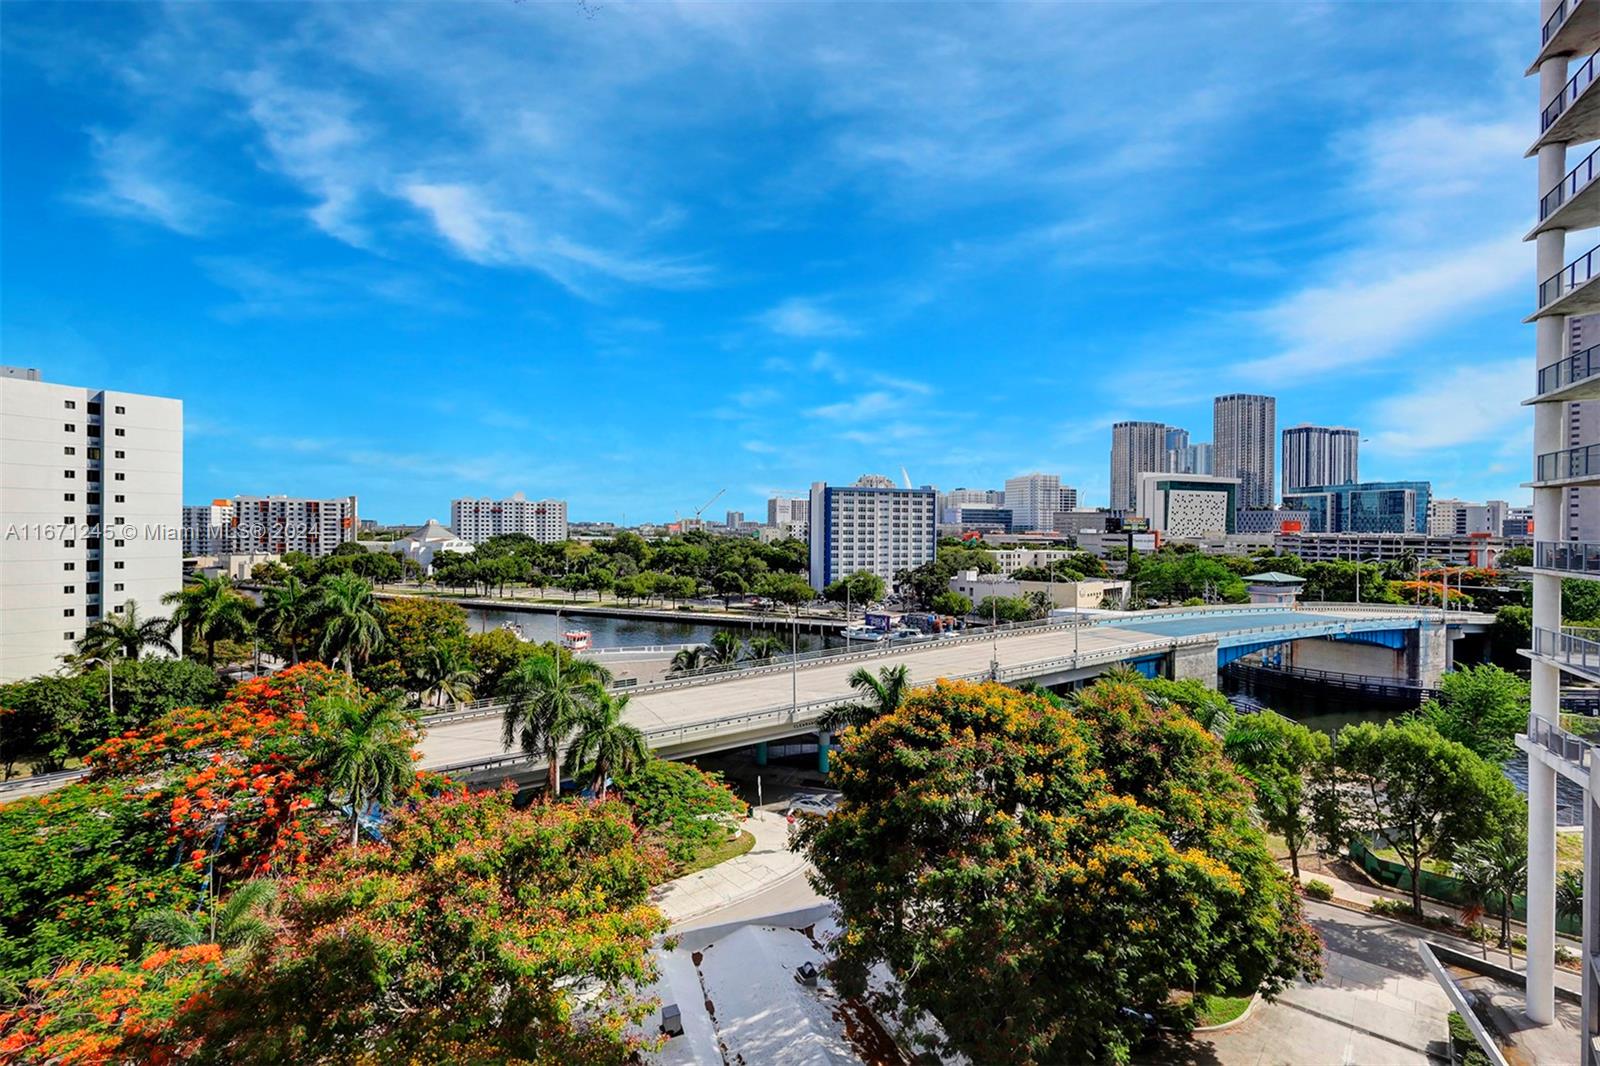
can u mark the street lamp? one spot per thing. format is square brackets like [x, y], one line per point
[794, 662]
[111, 685]
[994, 639]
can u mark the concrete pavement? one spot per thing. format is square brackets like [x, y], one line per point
[758, 871]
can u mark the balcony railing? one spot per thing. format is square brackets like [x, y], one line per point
[1577, 179]
[1557, 19]
[1574, 557]
[1576, 273]
[1574, 368]
[1569, 93]
[1568, 463]
[1569, 647]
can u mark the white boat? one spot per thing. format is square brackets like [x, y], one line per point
[870, 635]
[514, 628]
[577, 640]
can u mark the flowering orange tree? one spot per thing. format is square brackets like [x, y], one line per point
[1038, 876]
[475, 932]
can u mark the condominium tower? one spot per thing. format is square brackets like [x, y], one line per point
[1320, 455]
[1244, 436]
[1033, 500]
[1136, 448]
[272, 524]
[1568, 200]
[475, 521]
[871, 525]
[91, 489]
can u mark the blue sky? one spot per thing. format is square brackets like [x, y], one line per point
[632, 254]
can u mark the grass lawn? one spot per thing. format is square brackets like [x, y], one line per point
[731, 848]
[1215, 1010]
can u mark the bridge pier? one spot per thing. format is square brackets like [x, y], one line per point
[761, 753]
[1197, 662]
[824, 739]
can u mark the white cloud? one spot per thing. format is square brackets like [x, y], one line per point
[1474, 405]
[802, 318]
[867, 405]
[139, 180]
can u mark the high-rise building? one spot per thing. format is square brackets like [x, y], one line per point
[1320, 455]
[870, 526]
[1069, 499]
[787, 510]
[1033, 500]
[1136, 448]
[1365, 507]
[734, 519]
[1443, 515]
[1244, 431]
[1580, 508]
[91, 494]
[1190, 459]
[271, 524]
[475, 521]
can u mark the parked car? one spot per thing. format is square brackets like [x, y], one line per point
[815, 806]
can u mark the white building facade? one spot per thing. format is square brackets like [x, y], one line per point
[1033, 500]
[870, 526]
[1188, 505]
[91, 498]
[475, 521]
[1136, 448]
[1320, 455]
[248, 525]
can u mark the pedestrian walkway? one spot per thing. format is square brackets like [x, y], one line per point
[727, 883]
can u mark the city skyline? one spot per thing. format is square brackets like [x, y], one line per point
[285, 201]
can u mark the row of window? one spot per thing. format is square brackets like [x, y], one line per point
[93, 430]
[94, 453]
[94, 407]
[93, 498]
[93, 475]
[92, 565]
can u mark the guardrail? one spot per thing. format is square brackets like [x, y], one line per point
[1580, 366]
[1567, 463]
[1576, 180]
[1557, 19]
[1574, 88]
[1570, 648]
[1574, 557]
[1559, 742]
[42, 782]
[1577, 273]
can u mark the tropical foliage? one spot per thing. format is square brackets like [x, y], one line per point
[1038, 876]
[209, 610]
[680, 807]
[881, 694]
[546, 700]
[125, 635]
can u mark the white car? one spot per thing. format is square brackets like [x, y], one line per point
[813, 806]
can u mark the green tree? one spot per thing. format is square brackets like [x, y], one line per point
[691, 658]
[952, 603]
[790, 590]
[726, 648]
[208, 609]
[1017, 866]
[1494, 871]
[861, 589]
[680, 807]
[1569, 893]
[479, 933]
[365, 753]
[605, 744]
[242, 921]
[496, 653]
[125, 635]
[546, 700]
[1005, 609]
[1513, 558]
[349, 619]
[765, 647]
[1511, 632]
[1280, 758]
[1483, 707]
[417, 626]
[880, 694]
[1206, 705]
[446, 675]
[287, 608]
[1428, 795]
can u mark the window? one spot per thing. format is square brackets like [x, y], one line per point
[119, 477]
[69, 544]
[69, 589]
[94, 453]
[69, 634]
[69, 473]
[121, 455]
[117, 587]
[72, 405]
[69, 450]
[69, 520]
[94, 431]
[121, 410]
[119, 521]
[94, 497]
[116, 544]
[69, 612]
[69, 496]
[92, 565]
[117, 565]
[118, 498]
[69, 427]
[94, 408]
[69, 566]
[93, 588]
[122, 433]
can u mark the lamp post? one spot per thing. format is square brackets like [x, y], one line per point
[994, 639]
[111, 686]
[794, 663]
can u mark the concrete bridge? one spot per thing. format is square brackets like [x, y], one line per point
[719, 710]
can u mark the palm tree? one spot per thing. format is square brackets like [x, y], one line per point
[1495, 868]
[209, 609]
[689, 658]
[726, 647]
[125, 636]
[243, 920]
[545, 701]
[350, 619]
[882, 694]
[286, 611]
[1569, 893]
[602, 736]
[447, 674]
[366, 753]
[766, 647]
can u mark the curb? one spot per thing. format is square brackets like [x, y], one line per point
[1241, 1019]
[733, 900]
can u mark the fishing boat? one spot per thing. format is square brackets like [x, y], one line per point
[577, 640]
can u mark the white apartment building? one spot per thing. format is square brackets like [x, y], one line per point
[1033, 500]
[1458, 517]
[91, 493]
[1315, 456]
[870, 526]
[1067, 502]
[478, 520]
[247, 525]
[1136, 448]
[1244, 437]
[788, 510]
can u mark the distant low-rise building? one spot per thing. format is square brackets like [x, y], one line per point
[1364, 507]
[1087, 594]
[1457, 550]
[424, 544]
[1280, 520]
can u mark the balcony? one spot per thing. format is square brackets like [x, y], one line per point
[1575, 558]
[1568, 292]
[1577, 377]
[1573, 115]
[1572, 29]
[1574, 203]
[1576, 650]
[1570, 466]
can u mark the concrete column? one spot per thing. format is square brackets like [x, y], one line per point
[761, 753]
[1591, 922]
[1550, 340]
[824, 741]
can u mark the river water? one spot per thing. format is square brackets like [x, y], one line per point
[629, 632]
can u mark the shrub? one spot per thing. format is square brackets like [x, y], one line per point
[1318, 889]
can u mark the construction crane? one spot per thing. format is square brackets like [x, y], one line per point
[698, 511]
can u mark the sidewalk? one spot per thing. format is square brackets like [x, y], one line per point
[726, 883]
